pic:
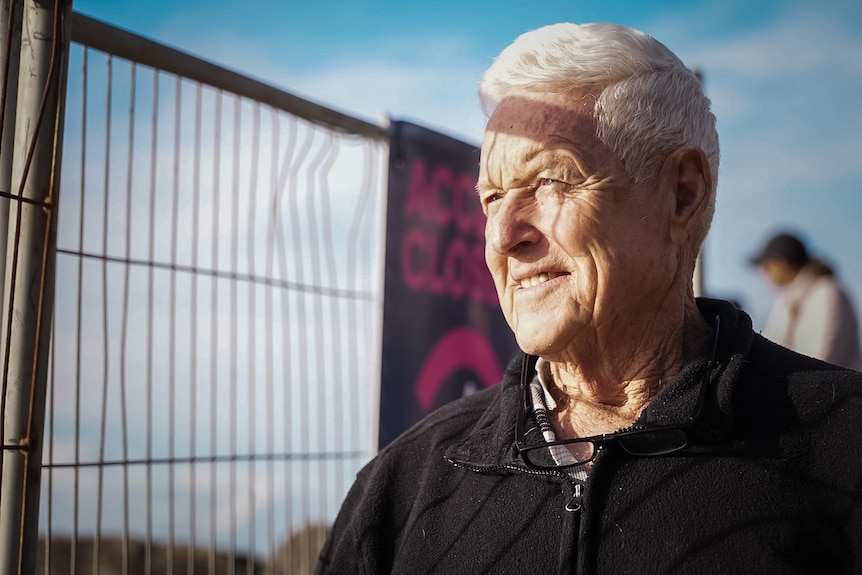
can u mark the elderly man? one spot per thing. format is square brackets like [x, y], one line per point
[642, 430]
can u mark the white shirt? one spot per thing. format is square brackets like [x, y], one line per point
[814, 316]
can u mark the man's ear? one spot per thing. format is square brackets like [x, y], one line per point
[690, 179]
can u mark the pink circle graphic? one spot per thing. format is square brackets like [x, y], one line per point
[461, 348]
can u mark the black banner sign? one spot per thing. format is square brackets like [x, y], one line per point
[444, 335]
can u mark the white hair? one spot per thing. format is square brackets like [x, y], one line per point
[648, 103]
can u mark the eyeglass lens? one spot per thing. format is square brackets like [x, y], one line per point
[644, 443]
[561, 455]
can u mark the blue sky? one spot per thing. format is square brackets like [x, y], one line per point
[785, 78]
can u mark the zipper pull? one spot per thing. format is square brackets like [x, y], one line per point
[574, 503]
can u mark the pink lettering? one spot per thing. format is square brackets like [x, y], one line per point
[443, 199]
[456, 270]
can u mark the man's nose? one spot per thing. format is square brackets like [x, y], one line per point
[510, 227]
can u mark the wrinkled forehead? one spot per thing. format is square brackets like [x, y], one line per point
[524, 126]
[528, 115]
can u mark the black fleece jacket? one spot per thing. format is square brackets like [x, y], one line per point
[771, 483]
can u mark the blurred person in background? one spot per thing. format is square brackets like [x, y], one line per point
[813, 313]
[641, 430]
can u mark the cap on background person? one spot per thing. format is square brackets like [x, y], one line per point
[783, 246]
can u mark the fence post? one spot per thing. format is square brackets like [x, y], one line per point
[10, 44]
[29, 280]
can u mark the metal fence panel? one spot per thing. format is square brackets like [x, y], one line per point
[215, 353]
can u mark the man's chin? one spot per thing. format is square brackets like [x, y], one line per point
[536, 346]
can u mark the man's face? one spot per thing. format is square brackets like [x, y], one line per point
[575, 247]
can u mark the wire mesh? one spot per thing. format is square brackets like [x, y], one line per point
[216, 335]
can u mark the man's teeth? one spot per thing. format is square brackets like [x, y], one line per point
[538, 279]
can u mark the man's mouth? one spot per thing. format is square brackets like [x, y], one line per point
[540, 278]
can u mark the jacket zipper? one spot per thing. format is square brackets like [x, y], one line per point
[577, 488]
[573, 506]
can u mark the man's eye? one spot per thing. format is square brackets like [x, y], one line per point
[550, 182]
[491, 198]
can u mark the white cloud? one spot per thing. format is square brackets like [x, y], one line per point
[789, 48]
[439, 98]
[431, 79]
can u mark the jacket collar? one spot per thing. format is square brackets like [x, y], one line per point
[490, 443]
